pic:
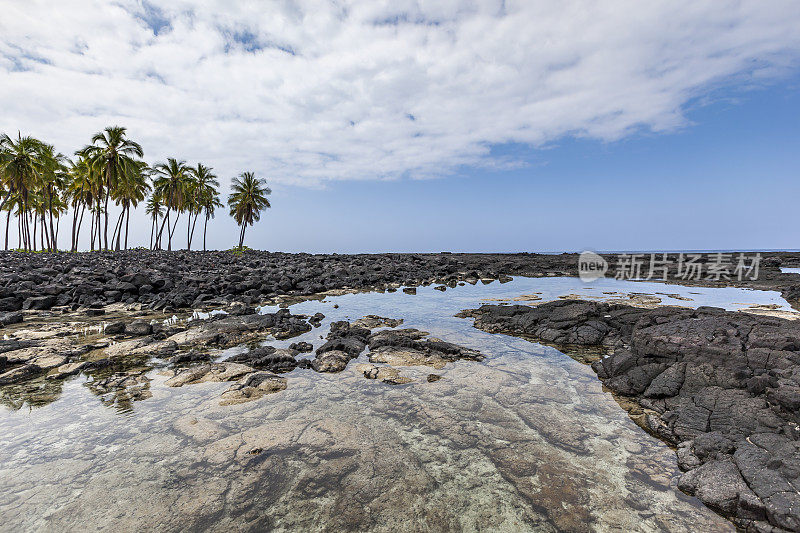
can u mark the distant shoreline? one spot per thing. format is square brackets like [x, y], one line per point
[181, 280]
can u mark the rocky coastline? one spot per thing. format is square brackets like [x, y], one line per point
[723, 387]
[170, 281]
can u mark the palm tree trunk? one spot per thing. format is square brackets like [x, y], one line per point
[152, 230]
[205, 228]
[29, 245]
[91, 233]
[5, 199]
[161, 231]
[98, 226]
[44, 234]
[118, 230]
[52, 233]
[189, 232]
[105, 231]
[194, 224]
[172, 232]
[35, 227]
[78, 231]
[127, 225]
[241, 236]
[8, 223]
[74, 224]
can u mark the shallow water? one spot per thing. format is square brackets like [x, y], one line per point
[526, 440]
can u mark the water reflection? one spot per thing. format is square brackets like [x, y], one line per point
[525, 440]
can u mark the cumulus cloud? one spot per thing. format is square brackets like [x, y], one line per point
[307, 91]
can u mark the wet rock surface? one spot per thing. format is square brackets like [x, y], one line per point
[722, 386]
[394, 347]
[526, 440]
[252, 387]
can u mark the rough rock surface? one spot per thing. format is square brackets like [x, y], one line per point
[268, 358]
[405, 347]
[252, 387]
[385, 374]
[208, 372]
[722, 386]
[180, 279]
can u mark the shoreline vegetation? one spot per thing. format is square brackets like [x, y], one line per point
[40, 186]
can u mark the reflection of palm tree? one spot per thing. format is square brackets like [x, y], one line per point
[248, 199]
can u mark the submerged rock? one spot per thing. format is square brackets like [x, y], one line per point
[252, 387]
[723, 386]
[331, 361]
[375, 321]
[208, 372]
[385, 374]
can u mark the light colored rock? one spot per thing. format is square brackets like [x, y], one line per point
[199, 428]
[46, 362]
[252, 387]
[386, 374]
[333, 361]
[18, 374]
[209, 372]
[375, 321]
[70, 369]
[405, 357]
[45, 353]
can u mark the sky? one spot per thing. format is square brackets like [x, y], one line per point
[438, 125]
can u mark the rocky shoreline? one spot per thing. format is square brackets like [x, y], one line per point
[170, 281]
[724, 387]
[119, 356]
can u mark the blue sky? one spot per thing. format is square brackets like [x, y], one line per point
[427, 125]
[728, 180]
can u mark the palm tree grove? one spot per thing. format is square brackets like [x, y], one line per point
[40, 187]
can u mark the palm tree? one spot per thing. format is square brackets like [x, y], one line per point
[172, 185]
[248, 199]
[210, 205]
[20, 170]
[53, 181]
[154, 209]
[79, 194]
[112, 155]
[204, 194]
[129, 192]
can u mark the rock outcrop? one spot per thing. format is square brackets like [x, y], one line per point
[724, 387]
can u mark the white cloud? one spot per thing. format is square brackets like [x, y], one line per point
[309, 91]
